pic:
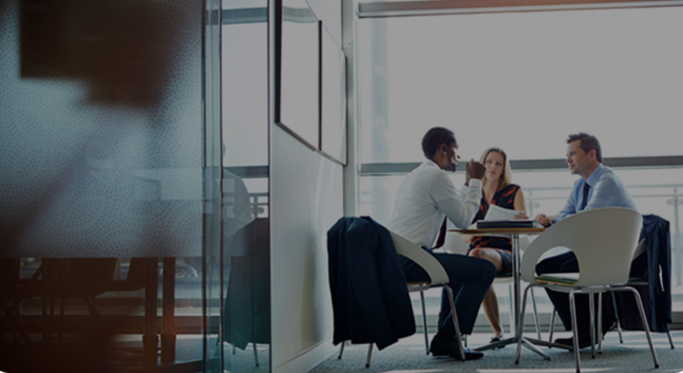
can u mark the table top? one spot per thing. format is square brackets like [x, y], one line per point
[484, 232]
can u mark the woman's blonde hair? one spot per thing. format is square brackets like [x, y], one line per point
[507, 172]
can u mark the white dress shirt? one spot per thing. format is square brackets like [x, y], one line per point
[425, 197]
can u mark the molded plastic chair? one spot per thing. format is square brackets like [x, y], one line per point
[439, 278]
[640, 249]
[600, 236]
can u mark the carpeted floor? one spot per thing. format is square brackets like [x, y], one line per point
[408, 356]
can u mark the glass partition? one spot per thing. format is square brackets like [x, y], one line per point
[245, 254]
[101, 189]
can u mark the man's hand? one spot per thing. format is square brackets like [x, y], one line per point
[474, 170]
[543, 220]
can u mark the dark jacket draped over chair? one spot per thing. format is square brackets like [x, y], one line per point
[369, 294]
[653, 267]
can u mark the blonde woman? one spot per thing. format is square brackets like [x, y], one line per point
[497, 190]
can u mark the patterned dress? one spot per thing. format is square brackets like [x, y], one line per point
[504, 198]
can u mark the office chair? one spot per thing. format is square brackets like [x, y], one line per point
[606, 235]
[439, 278]
[632, 281]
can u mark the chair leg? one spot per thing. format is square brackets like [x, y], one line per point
[537, 324]
[575, 332]
[367, 362]
[599, 327]
[341, 350]
[424, 322]
[591, 317]
[513, 324]
[255, 355]
[671, 341]
[643, 319]
[454, 316]
[552, 325]
[520, 327]
[616, 314]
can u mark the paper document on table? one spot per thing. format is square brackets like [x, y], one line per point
[499, 213]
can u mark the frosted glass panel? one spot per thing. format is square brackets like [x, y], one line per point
[101, 127]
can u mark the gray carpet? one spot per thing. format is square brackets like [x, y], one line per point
[408, 356]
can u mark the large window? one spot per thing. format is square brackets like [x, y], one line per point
[523, 82]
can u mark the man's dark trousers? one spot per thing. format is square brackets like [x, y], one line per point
[564, 263]
[470, 280]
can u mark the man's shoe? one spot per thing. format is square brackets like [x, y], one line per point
[569, 342]
[449, 347]
[584, 338]
[442, 346]
[469, 355]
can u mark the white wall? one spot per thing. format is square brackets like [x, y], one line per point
[306, 200]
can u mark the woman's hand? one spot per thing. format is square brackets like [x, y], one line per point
[521, 216]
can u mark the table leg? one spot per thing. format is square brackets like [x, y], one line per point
[515, 279]
[514, 300]
[526, 342]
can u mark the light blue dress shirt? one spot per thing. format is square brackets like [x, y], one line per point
[606, 190]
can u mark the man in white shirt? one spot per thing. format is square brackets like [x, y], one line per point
[425, 198]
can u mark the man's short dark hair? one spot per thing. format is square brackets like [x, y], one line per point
[587, 143]
[434, 138]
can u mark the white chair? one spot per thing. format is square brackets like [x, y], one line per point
[640, 249]
[603, 241]
[438, 277]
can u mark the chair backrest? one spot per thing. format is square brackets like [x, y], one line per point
[421, 257]
[641, 248]
[603, 241]
[524, 242]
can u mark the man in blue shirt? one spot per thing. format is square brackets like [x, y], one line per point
[597, 187]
